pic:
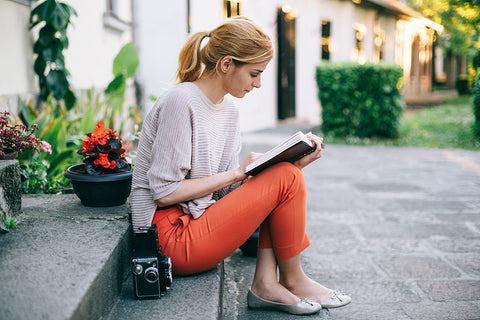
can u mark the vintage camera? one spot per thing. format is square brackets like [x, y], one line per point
[152, 272]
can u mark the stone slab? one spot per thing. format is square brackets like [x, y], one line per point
[239, 272]
[61, 266]
[454, 310]
[468, 263]
[451, 290]
[418, 267]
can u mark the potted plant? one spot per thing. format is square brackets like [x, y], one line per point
[105, 177]
[17, 138]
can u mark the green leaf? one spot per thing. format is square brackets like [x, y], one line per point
[126, 61]
[70, 99]
[39, 65]
[44, 10]
[46, 35]
[57, 83]
[24, 113]
[117, 85]
[60, 17]
[68, 8]
[63, 160]
[52, 51]
[87, 121]
[55, 134]
[37, 47]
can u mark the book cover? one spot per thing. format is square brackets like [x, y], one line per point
[292, 149]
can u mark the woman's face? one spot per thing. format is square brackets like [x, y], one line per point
[242, 79]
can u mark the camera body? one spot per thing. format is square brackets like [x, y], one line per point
[152, 272]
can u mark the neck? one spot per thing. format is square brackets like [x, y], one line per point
[212, 88]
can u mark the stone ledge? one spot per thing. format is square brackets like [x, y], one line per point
[10, 189]
[64, 260]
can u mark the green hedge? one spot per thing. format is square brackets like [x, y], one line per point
[476, 105]
[362, 100]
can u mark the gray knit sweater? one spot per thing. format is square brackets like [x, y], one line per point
[184, 136]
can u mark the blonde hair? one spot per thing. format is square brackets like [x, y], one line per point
[237, 37]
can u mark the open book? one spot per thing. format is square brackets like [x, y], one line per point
[292, 149]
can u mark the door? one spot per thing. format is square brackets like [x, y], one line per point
[286, 64]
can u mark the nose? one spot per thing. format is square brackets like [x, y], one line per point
[257, 83]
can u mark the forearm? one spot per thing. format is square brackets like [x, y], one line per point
[195, 188]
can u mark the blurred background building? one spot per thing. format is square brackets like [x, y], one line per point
[305, 33]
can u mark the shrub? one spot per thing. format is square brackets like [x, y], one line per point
[362, 100]
[462, 84]
[476, 105]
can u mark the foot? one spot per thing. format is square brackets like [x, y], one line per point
[336, 301]
[274, 292]
[304, 307]
[307, 288]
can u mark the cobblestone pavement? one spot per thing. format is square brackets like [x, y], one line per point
[398, 229]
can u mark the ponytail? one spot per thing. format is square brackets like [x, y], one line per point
[189, 60]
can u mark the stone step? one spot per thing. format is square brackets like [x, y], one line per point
[64, 260]
[193, 297]
[238, 276]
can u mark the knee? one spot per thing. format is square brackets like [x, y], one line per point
[288, 169]
[289, 174]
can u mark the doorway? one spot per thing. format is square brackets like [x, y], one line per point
[286, 63]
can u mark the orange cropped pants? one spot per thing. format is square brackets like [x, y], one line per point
[275, 200]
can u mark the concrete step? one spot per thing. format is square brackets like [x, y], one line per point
[193, 297]
[64, 260]
[238, 276]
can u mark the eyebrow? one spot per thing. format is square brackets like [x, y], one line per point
[259, 70]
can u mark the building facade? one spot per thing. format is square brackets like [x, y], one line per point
[305, 33]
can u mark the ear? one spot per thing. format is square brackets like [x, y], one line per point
[226, 64]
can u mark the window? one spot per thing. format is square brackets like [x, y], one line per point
[231, 8]
[325, 33]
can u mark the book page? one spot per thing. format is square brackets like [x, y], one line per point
[293, 140]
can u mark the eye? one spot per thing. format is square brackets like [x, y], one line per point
[254, 75]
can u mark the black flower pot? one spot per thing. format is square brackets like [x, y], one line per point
[249, 247]
[104, 190]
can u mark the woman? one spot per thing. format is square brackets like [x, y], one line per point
[188, 182]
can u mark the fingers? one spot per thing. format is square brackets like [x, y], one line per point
[318, 141]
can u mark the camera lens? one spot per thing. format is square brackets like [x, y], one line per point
[151, 275]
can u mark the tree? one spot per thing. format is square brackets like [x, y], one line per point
[461, 20]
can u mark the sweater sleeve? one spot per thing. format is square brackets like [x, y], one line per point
[171, 149]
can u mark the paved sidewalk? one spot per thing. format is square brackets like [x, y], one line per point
[396, 228]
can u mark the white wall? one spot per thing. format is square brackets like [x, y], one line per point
[388, 25]
[16, 59]
[94, 45]
[159, 32]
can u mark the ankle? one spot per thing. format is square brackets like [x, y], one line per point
[292, 282]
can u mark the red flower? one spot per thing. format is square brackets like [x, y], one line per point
[104, 162]
[102, 151]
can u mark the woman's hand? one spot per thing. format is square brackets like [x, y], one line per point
[252, 156]
[305, 161]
